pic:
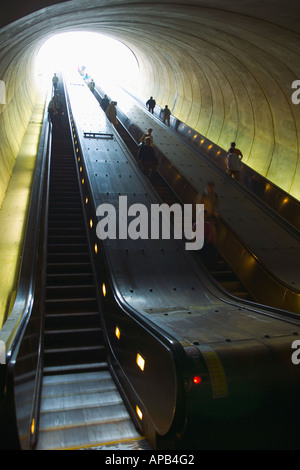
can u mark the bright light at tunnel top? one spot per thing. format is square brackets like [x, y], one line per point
[106, 60]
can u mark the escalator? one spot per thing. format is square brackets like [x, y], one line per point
[240, 270]
[80, 404]
[218, 268]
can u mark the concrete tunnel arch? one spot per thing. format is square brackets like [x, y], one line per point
[225, 68]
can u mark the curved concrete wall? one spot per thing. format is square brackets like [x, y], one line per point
[225, 68]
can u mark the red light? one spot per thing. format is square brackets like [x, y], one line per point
[197, 379]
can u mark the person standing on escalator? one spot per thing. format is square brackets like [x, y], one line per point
[151, 103]
[147, 159]
[55, 110]
[144, 137]
[104, 103]
[166, 115]
[55, 82]
[111, 112]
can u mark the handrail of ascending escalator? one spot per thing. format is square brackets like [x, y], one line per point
[21, 335]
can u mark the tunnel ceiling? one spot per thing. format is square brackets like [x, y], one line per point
[224, 67]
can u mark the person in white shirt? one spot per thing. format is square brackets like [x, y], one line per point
[233, 164]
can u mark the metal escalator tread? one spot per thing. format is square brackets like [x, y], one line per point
[73, 334]
[82, 410]
[80, 404]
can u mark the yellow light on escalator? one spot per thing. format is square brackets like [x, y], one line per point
[86, 200]
[117, 332]
[91, 223]
[82, 180]
[139, 413]
[104, 290]
[32, 426]
[140, 362]
[210, 147]
[80, 169]
[96, 248]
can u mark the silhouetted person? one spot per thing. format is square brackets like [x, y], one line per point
[111, 112]
[147, 158]
[55, 81]
[92, 86]
[166, 115]
[55, 110]
[104, 103]
[235, 150]
[210, 200]
[233, 164]
[151, 103]
[144, 137]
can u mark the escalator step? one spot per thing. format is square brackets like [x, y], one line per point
[82, 409]
[70, 267]
[78, 319]
[70, 292]
[67, 248]
[70, 280]
[66, 239]
[75, 368]
[74, 355]
[68, 258]
[66, 337]
[71, 305]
